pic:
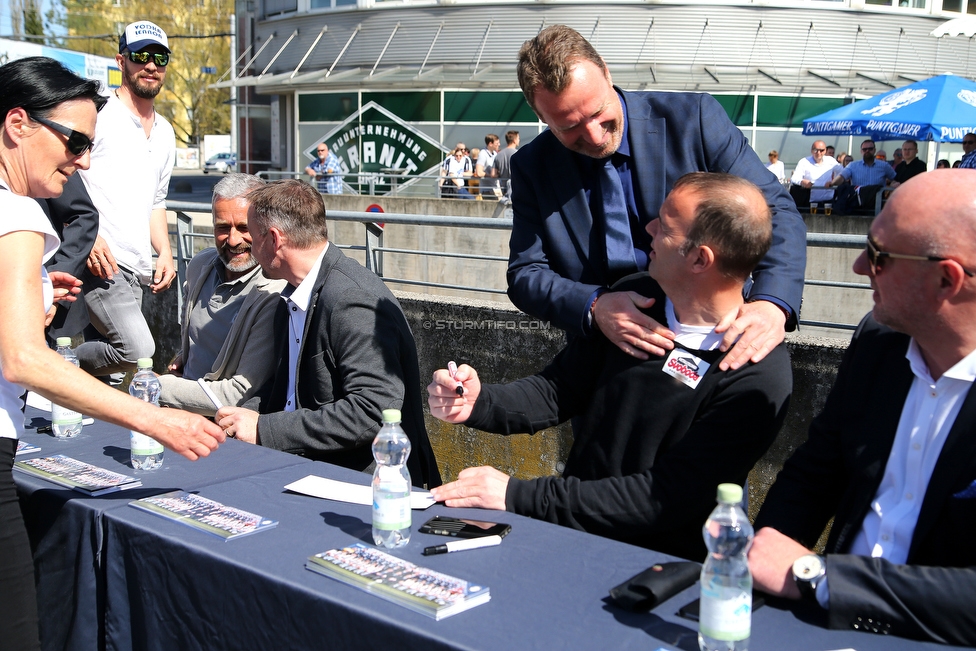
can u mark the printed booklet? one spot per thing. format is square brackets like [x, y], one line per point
[207, 515]
[23, 447]
[81, 476]
[394, 579]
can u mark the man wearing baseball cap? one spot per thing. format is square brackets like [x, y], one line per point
[131, 162]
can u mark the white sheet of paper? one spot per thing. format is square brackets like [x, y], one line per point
[340, 491]
[38, 402]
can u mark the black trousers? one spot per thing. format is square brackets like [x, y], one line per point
[18, 601]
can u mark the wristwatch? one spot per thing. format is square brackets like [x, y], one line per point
[808, 571]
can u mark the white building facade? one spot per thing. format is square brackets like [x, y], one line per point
[389, 84]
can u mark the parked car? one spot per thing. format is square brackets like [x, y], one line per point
[224, 162]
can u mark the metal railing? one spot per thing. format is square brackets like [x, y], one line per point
[375, 250]
[390, 183]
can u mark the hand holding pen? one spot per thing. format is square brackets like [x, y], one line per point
[453, 392]
[452, 369]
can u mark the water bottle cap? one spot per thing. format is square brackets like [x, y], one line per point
[145, 362]
[64, 341]
[391, 415]
[729, 493]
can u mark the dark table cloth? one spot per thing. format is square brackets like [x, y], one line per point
[171, 587]
[65, 526]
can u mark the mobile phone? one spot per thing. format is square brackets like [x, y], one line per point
[440, 525]
[690, 610]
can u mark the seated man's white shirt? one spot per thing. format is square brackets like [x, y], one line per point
[298, 301]
[926, 419]
[819, 174]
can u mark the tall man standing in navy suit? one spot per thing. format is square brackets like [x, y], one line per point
[892, 456]
[584, 190]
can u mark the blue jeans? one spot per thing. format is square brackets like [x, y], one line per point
[115, 310]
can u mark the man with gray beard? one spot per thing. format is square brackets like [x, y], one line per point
[228, 312]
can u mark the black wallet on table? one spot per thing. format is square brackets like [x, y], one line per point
[655, 585]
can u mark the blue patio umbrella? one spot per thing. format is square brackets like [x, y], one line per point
[941, 108]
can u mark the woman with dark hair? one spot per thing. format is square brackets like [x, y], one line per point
[943, 164]
[48, 124]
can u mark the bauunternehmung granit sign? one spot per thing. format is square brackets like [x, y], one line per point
[373, 141]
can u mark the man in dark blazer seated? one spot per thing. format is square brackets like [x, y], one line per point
[344, 349]
[644, 470]
[892, 456]
[584, 190]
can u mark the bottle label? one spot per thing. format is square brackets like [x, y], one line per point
[143, 445]
[64, 416]
[391, 511]
[725, 613]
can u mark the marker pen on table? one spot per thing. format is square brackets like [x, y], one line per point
[452, 369]
[462, 545]
[210, 394]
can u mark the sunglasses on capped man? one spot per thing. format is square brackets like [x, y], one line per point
[161, 59]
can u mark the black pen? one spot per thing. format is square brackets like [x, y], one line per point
[452, 369]
[462, 545]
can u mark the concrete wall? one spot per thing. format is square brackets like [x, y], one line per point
[439, 271]
[504, 345]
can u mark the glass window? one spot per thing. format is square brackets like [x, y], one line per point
[739, 108]
[330, 4]
[791, 111]
[411, 107]
[910, 4]
[952, 5]
[326, 107]
[486, 107]
[275, 7]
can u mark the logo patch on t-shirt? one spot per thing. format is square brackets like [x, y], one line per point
[686, 367]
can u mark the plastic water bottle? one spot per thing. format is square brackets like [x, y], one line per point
[65, 423]
[391, 483]
[145, 452]
[725, 618]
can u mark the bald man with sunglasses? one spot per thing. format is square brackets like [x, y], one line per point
[131, 161]
[892, 456]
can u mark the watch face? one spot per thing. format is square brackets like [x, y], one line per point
[808, 567]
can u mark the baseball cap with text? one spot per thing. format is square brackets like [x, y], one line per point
[139, 34]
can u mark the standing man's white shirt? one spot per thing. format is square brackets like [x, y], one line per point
[125, 200]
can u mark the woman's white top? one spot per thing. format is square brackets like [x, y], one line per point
[19, 213]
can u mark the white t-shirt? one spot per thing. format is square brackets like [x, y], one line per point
[128, 179]
[19, 213]
[778, 169]
[695, 337]
[486, 159]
